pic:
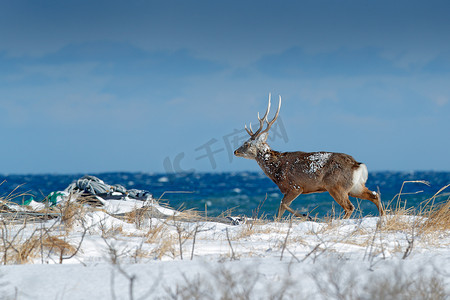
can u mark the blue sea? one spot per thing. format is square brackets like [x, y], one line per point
[244, 193]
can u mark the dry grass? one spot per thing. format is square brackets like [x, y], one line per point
[256, 226]
[58, 244]
[112, 230]
[438, 216]
[399, 220]
[166, 247]
[14, 194]
[156, 233]
[248, 230]
[70, 213]
[26, 250]
[137, 216]
[428, 218]
[400, 231]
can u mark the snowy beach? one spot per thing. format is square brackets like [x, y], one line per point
[88, 253]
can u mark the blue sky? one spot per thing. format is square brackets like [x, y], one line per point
[159, 86]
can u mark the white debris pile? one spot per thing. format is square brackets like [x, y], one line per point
[92, 191]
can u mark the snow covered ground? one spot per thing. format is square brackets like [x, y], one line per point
[89, 254]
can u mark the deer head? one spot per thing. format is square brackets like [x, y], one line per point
[256, 144]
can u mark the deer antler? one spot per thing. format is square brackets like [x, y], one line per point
[269, 124]
[261, 121]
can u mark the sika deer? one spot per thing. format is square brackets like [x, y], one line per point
[298, 173]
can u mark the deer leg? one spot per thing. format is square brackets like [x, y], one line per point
[341, 198]
[367, 194]
[286, 201]
[295, 213]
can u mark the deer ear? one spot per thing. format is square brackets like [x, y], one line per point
[263, 137]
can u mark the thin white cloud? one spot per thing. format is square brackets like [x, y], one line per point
[441, 101]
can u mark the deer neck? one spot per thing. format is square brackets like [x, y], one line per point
[269, 161]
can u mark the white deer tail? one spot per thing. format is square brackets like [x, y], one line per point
[360, 176]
